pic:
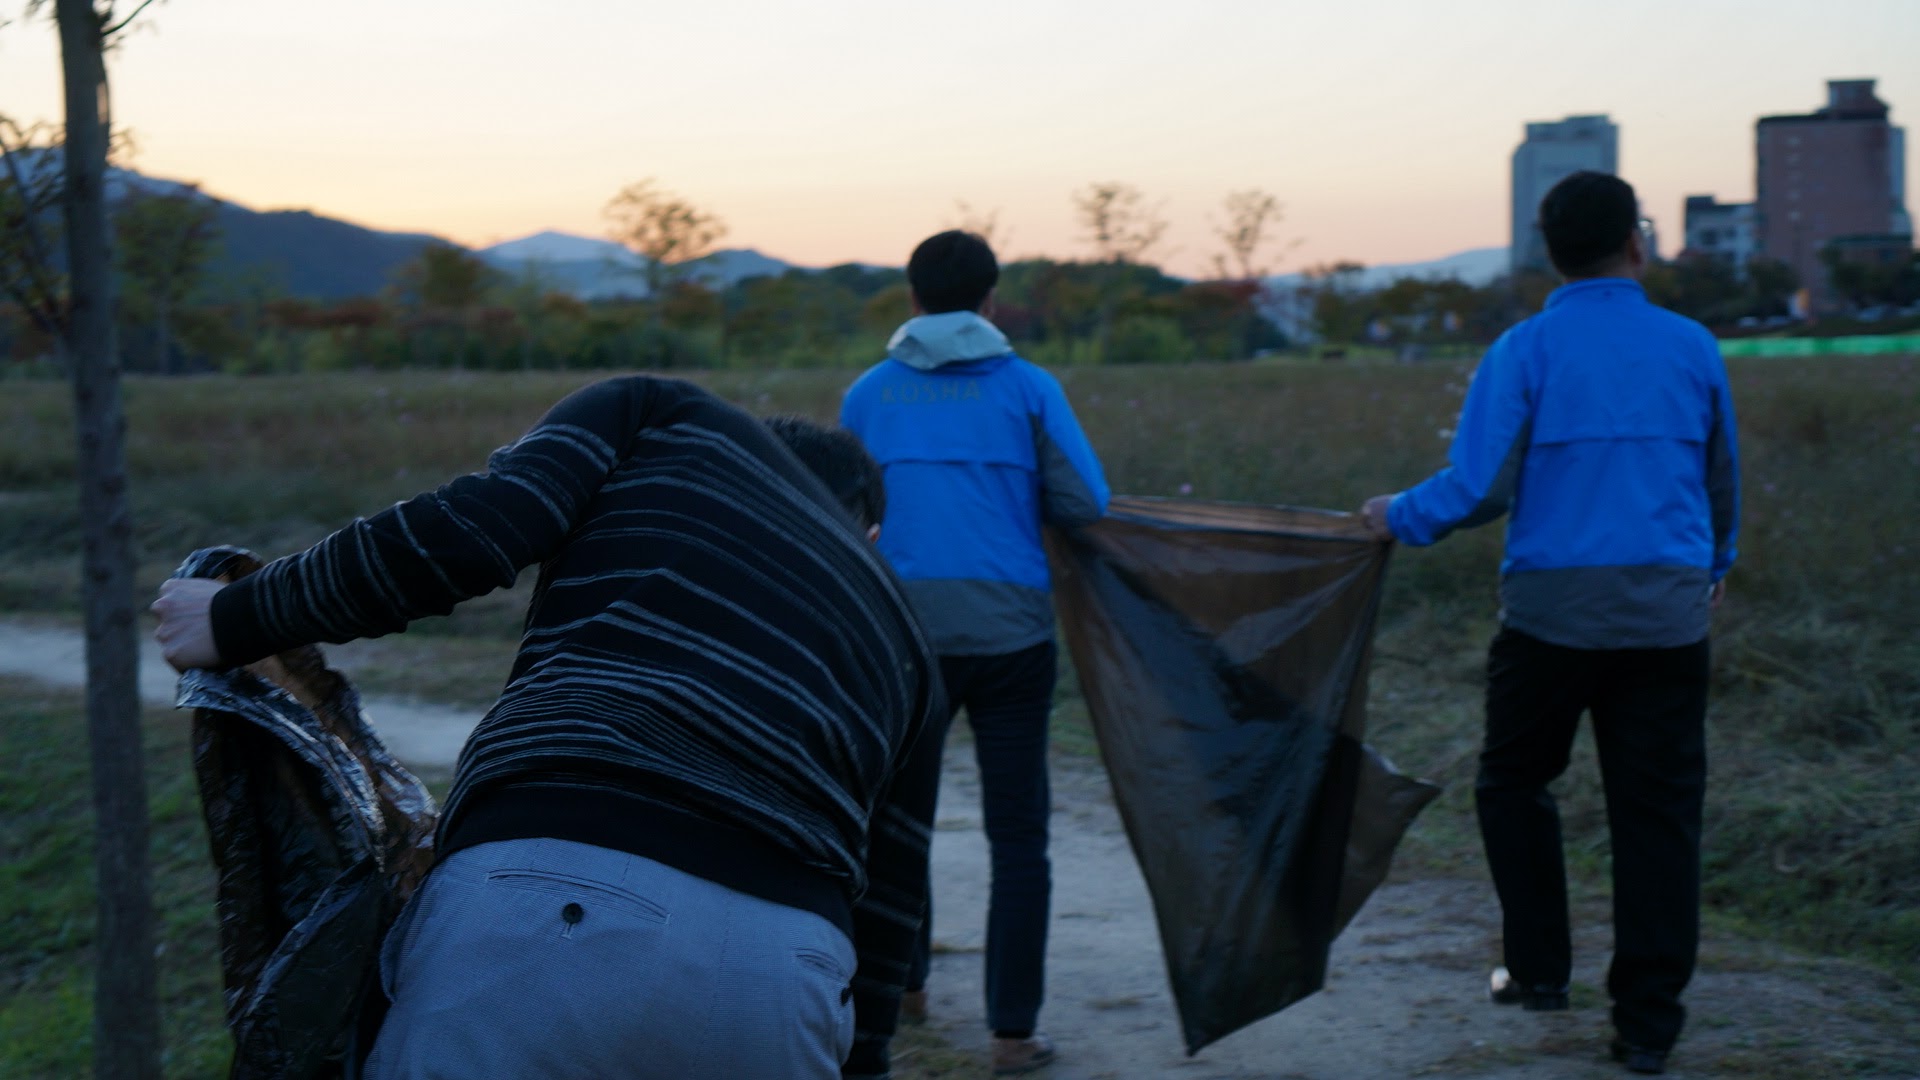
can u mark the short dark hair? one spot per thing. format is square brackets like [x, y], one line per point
[952, 271]
[1586, 220]
[842, 464]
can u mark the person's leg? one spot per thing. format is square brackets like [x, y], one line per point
[1535, 694]
[1649, 722]
[956, 673]
[1007, 707]
[555, 959]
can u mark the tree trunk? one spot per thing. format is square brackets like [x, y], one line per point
[126, 1020]
[656, 288]
[1111, 284]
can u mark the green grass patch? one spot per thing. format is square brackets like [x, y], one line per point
[47, 894]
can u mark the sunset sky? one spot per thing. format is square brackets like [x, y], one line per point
[836, 131]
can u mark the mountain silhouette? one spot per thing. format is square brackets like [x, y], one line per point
[300, 253]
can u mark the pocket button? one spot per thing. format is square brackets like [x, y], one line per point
[572, 913]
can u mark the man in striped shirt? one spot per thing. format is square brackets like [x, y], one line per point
[664, 839]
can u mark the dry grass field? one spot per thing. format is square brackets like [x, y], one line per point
[1813, 823]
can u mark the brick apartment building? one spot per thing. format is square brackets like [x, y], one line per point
[1836, 176]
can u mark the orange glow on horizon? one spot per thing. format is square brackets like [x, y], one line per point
[847, 132]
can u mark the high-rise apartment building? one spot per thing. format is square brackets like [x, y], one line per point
[1834, 177]
[1552, 151]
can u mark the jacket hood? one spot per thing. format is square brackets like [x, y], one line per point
[926, 342]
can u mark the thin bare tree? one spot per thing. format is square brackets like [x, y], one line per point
[668, 233]
[1123, 229]
[1119, 224]
[163, 243]
[1252, 217]
[982, 223]
[31, 191]
[126, 1019]
[664, 229]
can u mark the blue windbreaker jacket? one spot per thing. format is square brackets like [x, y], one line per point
[980, 448]
[1605, 427]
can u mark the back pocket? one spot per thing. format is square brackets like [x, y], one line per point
[822, 962]
[583, 890]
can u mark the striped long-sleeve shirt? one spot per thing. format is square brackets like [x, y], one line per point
[717, 672]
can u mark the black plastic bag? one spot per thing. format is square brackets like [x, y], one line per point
[319, 837]
[1223, 653]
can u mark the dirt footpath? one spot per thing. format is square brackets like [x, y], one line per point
[1404, 997]
[1405, 994]
[425, 736]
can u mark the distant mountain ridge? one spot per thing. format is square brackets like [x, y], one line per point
[593, 268]
[309, 255]
[553, 246]
[1475, 266]
[316, 257]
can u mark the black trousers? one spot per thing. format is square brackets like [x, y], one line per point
[1008, 699]
[1649, 724]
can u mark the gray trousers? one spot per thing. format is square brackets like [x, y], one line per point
[547, 958]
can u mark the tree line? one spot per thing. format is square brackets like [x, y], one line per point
[449, 309]
[1331, 305]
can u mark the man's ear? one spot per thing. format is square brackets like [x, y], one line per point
[914, 299]
[1637, 251]
[873, 534]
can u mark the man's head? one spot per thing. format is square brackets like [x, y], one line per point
[1591, 223]
[841, 463]
[952, 271]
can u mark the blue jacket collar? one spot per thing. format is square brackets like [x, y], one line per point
[1596, 289]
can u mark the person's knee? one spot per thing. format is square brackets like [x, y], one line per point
[1511, 784]
[1522, 766]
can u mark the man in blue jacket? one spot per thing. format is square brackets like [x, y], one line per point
[980, 448]
[1604, 427]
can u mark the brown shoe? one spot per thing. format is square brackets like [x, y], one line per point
[1014, 1056]
[913, 1007]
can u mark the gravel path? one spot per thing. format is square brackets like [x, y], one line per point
[424, 736]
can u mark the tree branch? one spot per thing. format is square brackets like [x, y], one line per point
[38, 297]
[108, 31]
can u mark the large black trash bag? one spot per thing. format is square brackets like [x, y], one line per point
[319, 837]
[1223, 652]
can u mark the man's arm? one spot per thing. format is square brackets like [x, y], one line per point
[850, 413]
[1489, 447]
[423, 556]
[886, 921]
[1073, 487]
[1723, 474]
